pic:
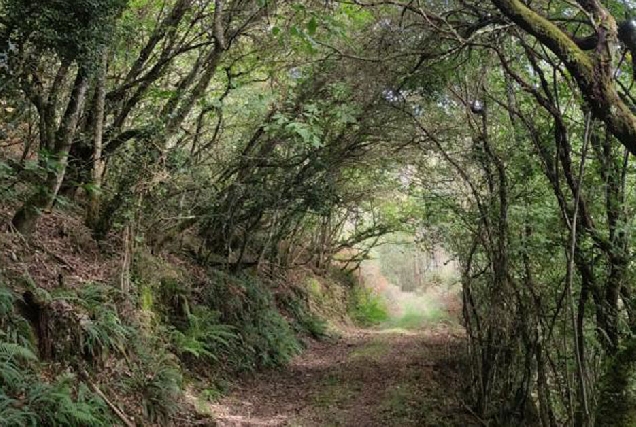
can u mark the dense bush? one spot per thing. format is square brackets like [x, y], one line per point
[367, 308]
[265, 338]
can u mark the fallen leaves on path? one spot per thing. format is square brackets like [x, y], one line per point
[366, 378]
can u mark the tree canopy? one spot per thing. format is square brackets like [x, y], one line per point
[274, 135]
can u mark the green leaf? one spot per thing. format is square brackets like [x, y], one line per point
[311, 26]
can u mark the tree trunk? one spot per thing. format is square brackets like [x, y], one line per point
[617, 399]
[593, 74]
[26, 217]
[94, 194]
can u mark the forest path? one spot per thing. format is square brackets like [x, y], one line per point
[368, 377]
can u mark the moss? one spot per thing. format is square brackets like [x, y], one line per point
[617, 403]
[549, 34]
[146, 297]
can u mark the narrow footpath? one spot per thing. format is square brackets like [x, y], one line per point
[365, 378]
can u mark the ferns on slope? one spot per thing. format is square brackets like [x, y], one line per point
[26, 400]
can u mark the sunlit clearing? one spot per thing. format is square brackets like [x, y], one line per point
[419, 288]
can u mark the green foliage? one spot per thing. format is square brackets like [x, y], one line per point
[74, 29]
[156, 378]
[25, 399]
[204, 338]
[13, 327]
[295, 303]
[100, 332]
[265, 338]
[367, 308]
[418, 314]
[88, 320]
[55, 405]
[13, 360]
[103, 333]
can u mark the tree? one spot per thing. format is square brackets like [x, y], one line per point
[71, 33]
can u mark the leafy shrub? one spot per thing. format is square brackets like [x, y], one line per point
[265, 338]
[367, 308]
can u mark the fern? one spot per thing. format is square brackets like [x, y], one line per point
[14, 414]
[157, 379]
[103, 333]
[95, 295]
[25, 400]
[7, 301]
[55, 406]
[13, 327]
[265, 338]
[14, 359]
[10, 351]
[204, 337]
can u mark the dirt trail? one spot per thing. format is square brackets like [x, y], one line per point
[366, 378]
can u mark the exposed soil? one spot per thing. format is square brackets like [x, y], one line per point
[366, 378]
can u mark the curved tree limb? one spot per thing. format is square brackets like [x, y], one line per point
[592, 72]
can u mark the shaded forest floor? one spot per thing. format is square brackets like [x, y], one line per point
[406, 373]
[366, 378]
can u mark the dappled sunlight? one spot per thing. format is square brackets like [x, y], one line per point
[371, 377]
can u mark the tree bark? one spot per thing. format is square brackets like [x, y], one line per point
[593, 73]
[26, 217]
[94, 197]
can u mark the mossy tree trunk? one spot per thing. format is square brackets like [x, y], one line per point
[592, 71]
[617, 399]
[26, 217]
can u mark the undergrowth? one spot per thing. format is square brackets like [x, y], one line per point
[203, 337]
[27, 397]
[152, 342]
[367, 308]
[264, 338]
[303, 321]
[157, 379]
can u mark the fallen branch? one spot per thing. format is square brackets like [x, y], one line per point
[474, 414]
[110, 404]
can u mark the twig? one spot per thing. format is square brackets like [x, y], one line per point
[110, 404]
[54, 255]
[477, 417]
